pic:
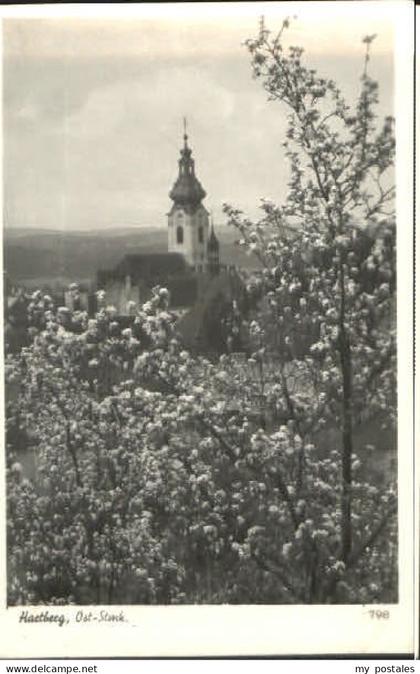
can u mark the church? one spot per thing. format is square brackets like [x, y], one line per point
[192, 260]
[188, 219]
[190, 269]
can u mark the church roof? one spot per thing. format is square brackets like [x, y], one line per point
[187, 190]
[147, 265]
[152, 268]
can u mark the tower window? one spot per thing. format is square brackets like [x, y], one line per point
[179, 235]
[200, 235]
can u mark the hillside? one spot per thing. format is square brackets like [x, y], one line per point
[47, 257]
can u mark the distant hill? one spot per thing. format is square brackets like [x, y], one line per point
[46, 257]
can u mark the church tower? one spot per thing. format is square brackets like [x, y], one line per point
[188, 219]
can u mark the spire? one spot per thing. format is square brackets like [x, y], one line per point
[213, 262]
[213, 242]
[187, 190]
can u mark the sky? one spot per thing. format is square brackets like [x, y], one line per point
[93, 105]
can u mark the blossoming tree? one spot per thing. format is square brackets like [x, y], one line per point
[329, 251]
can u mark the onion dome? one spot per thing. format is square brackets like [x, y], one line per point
[187, 190]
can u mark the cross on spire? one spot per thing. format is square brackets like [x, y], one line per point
[185, 132]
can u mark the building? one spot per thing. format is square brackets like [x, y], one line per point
[188, 219]
[192, 261]
[201, 288]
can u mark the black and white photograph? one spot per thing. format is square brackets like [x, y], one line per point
[202, 379]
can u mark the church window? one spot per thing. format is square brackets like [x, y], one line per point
[200, 235]
[179, 235]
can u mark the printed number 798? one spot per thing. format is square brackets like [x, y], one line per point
[377, 614]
